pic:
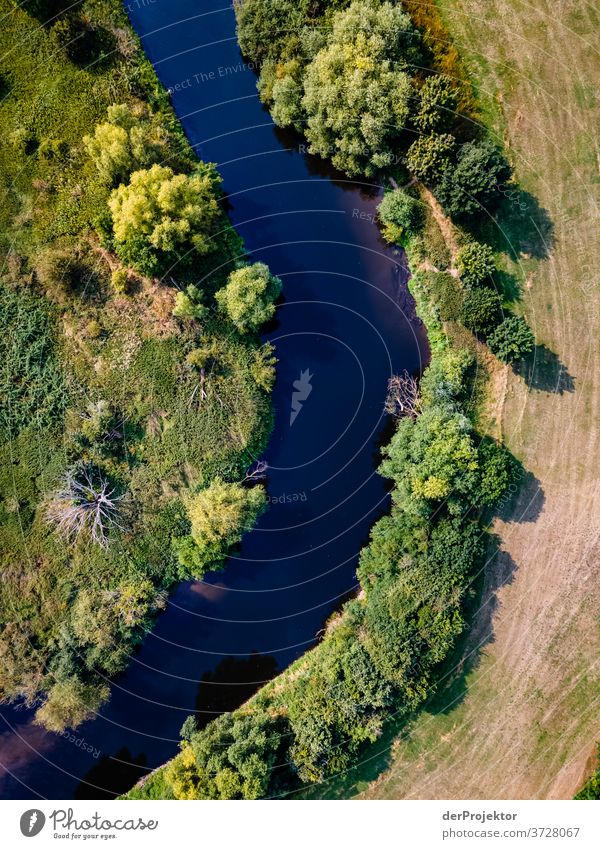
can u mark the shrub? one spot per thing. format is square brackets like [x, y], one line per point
[249, 296]
[481, 311]
[119, 279]
[475, 263]
[401, 215]
[189, 304]
[512, 340]
[430, 156]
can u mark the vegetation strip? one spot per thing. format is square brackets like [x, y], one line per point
[376, 98]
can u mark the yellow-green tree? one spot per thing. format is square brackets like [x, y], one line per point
[160, 217]
[249, 296]
[219, 516]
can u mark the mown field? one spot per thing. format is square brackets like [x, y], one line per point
[518, 717]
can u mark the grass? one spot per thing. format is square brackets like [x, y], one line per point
[70, 342]
[524, 724]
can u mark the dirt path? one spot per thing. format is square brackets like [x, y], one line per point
[527, 723]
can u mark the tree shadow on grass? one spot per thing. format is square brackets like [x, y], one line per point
[544, 371]
[518, 226]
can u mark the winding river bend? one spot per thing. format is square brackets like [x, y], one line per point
[346, 323]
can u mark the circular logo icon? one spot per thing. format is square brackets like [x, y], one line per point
[32, 822]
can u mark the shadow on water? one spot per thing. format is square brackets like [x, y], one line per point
[232, 683]
[119, 773]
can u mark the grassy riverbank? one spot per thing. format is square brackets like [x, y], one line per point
[131, 406]
[522, 721]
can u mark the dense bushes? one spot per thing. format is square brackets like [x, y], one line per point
[379, 656]
[350, 77]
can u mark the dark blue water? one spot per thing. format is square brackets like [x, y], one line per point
[347, 322]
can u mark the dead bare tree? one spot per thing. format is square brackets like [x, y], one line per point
[85, 504]
[258, 473]
[402, 396]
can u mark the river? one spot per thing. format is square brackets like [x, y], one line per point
[346, 324]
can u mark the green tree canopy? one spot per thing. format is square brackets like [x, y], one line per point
[436, 106]
[512, 340]
[130, 139]
[219, 516]
[249, 296]
[481, 311]
[475, 263]
[479, 170]
[429, 156]
[357, 90]
[401, 214]
[159, 216]
[432, 460]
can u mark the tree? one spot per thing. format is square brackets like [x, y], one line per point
[266, 26]
[286, 96]
[130, 139]
[481, 311]
[357, 90]
[87, 505]
[512, 340]
[401, 215]
[436, 106]
[432, 460]
[218, 515]
[475, 263]
[249, 296]
[497, 471]
[430, 156]
[70, 703]
[159, 215]
[480, 170]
